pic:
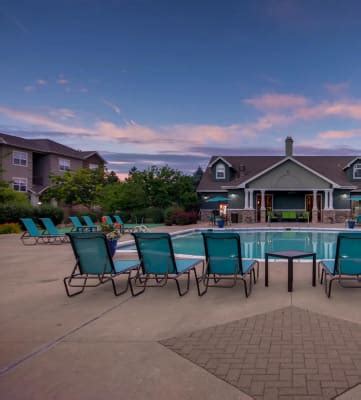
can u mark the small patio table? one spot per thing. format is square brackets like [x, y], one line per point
[290, 256]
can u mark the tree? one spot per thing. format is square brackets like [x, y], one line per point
[197, 176]
[80, 187]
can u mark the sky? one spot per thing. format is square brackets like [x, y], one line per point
[174, 82]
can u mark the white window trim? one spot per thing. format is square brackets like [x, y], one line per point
[357, 166]
[66, 161]
[22, 179]
[223, 167]
[20, 152]
[93, 166]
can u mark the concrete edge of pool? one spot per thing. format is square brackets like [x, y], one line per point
[123, 247]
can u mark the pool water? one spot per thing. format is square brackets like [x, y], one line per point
[256, 243]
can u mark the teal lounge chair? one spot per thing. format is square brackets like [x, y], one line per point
[89, 223]
[94, 263]
[347, 262]
[130, 228]
[52, 231]
[32, 235]
[118, 219]
[358, 220]
[224, 261]
[108, 220]
[77, 225]
[158, 263]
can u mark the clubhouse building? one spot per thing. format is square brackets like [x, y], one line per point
[249, 189]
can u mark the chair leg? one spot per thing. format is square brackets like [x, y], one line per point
[188, 283]
[205, 280]
[322, 276]
[116, 293]
[66, 281]
[134, 294]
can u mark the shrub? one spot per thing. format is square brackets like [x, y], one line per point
[185, 218]
[9, 228]
[13, 212]
[169, 214]
[47, 210]
[154, 214]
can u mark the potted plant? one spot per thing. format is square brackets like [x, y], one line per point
[220, 221]
[112, 232]
[351, 222]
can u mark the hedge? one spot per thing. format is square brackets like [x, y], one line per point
[13, 212]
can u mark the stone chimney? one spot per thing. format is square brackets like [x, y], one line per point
[289, 146]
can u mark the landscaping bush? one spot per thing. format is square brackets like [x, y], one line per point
[9, 228]
[13, 212]
[154, 215]
[185, 218]
[169, 214]
[49, 211]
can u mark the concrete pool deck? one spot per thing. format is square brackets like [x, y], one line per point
[96, 345]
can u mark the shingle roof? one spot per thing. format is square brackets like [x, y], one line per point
[330, 167]
[45, 146]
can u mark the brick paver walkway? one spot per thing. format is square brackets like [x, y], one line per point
[286, 354]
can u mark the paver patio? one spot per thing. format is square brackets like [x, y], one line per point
[96, 345]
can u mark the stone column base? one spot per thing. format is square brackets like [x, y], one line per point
[328, 216]
[314, 216]
[263, 216]
[342, 215]
[248, 216]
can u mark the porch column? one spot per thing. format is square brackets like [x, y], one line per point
[314, 208]
[263, 207]
[327, 199]
[251, 199]
[330, 204]
[246, 199]
[263, 203]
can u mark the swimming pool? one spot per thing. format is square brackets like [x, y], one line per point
[255, 243]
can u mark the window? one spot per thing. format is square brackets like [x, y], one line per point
[220, 171]
[20, 184]
[93, 166]
[64, 165]
[20, 158]
[357, 171]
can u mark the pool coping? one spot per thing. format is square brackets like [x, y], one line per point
[182, 232]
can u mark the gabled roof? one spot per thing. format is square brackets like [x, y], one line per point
[329, 167]
[45, 146]
[219, 159]
[285, 159]
[351, 162]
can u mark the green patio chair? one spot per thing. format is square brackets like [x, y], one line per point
[108, 220]
[32, 235]
[118, 219]
[89, 223]
[77, 225]
[224, 261]
[52, 231]
[347, 262]
[158, 263]
[94, 263]
[129, 228]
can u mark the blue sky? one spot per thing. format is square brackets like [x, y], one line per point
[174, 82]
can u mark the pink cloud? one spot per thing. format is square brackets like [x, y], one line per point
[337, 88]
[338, 134]
[277, 101]
[62, 81]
